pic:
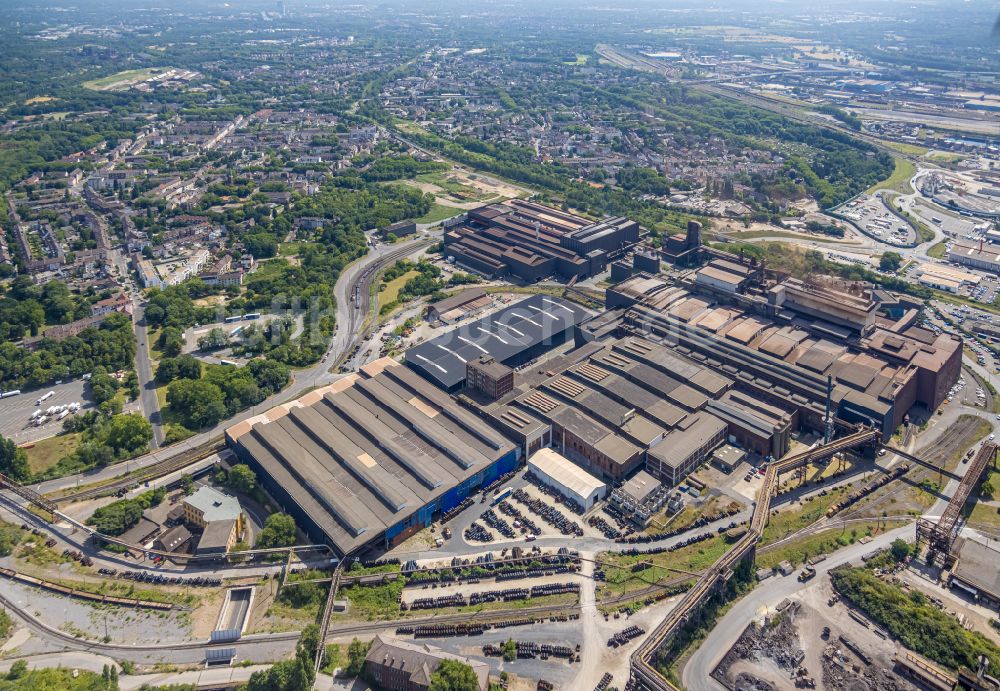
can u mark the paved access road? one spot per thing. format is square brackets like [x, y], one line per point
[144, 369]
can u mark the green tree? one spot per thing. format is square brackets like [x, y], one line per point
[890, 261]
[171, 341]
[509, 650]
[128, 434]
[288, 675]
[103, 387]
[900, 549]
[356, 653]
[213, 340]
[242, 478]
[199, 403]
[17, 670]
[278, 531]
[181, 367]
[13, 460]
[452, 675]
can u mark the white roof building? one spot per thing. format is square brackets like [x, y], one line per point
[558, 472]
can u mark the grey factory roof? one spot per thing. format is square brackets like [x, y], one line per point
[362, 459]
[505, 335]
[640, 486]
[678, 446]
[458, 299]
[977, 566]
[216, 536]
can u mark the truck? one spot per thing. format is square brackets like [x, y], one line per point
[806, 574]
[8, 394]
[501, 496]
[45, 397]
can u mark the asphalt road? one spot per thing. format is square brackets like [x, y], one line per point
[144, 368]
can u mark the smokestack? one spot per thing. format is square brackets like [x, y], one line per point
[693, 235]
[981, 244]
[537, 229]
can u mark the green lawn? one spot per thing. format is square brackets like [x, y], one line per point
[909, 149]
[391, 291]
[45, 453]
[938, 250]
[621, 580]
[754, 234]
[899, 181]
[946, 157]
[985, 516]
[438, 212]
[824, 542]
[797, 516]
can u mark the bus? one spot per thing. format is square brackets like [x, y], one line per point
[230, 320]
[8, 394]
[227, 362]
[251, 316]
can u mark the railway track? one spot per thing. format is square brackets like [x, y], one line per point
[152, 472]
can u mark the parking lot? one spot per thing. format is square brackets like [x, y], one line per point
[874, 218]
[15, 412]
[954, 226]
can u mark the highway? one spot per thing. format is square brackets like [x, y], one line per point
[348, 321]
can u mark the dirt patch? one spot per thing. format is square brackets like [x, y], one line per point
[765, 656]
[205, 615]
[811, 643]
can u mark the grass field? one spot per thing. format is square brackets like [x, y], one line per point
[391, 291]
[908, 149]
[985, 517]
[754, 234]
[693, 558]
[797, 516]
[899, 181]
[938, 250]
[581, 59]
[824, 542]
[45, 453]
[946, 157]
[452, 186]
[438, 212]
[122, 80]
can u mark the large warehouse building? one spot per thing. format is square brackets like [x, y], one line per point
[371, 459]
[529, 241]
[512, 336]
